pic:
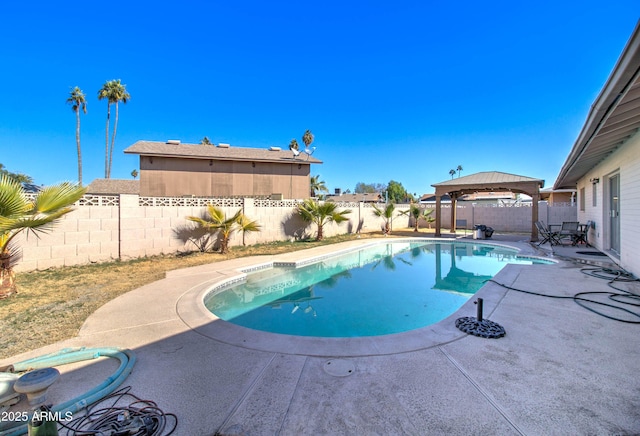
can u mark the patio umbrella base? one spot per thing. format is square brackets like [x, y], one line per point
[484, 328]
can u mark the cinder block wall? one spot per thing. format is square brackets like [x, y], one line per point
[130, 226]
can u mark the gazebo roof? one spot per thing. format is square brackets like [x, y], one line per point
[487, 180]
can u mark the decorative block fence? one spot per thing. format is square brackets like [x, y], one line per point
[104, 228]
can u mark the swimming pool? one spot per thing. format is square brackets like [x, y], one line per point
[379, 290]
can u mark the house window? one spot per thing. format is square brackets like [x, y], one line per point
[582, 199]
[594, 194]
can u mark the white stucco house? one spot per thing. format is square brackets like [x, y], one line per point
[604, 163]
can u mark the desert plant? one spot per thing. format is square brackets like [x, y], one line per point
[386, 214]
[321, 214]
[417, 214]
[217, 221]
[19, 213]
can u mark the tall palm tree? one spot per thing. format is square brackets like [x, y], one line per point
[18, 214]
[217, 221]
[317, 185]
[386, 214]
[114, 91]
[307, 138]
[78, 101]
[321, 214]
[459, 169]
[119, 94]
[452, 173]
[106, 92]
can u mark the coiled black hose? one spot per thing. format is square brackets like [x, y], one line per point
[623, 297]
[138, 417]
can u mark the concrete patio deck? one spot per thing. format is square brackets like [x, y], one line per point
[560, 369]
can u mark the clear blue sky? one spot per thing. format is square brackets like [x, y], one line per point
[402, 90]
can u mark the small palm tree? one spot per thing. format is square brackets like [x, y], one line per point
[246, 225]
[19, 213]
[317, 185]
[417, 214]
[206, 141]
[218, 221]
[321, 214]
[459, 169]
[386, 214]
[452, 173]
[293, 145]
[134, 174]
[78, 101]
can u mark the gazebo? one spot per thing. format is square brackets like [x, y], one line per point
[488, 181]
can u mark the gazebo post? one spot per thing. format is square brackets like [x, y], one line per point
[438, 214]
[535, 198]
[454, 209]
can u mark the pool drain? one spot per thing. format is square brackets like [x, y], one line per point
[339, 367]
[483, 328]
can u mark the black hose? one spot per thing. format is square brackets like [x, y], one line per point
[138, 418]
[623, 297]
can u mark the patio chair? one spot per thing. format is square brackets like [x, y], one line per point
[569, 230]
[547, 235]
[582, 236]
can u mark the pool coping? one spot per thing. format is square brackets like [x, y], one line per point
[192, 311]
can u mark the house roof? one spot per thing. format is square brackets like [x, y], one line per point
[113, 186]
[614, 117]
[487, 179]
[199, 151]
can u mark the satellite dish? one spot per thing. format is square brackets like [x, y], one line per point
[296, 153]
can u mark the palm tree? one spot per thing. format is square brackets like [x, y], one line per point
[218, 221]
[452, 173]
[119, 94]
[105, 92]
[321, 214]
[459, 168]
[18, 214]
[307, 138]
[134, 174]
[114, 91]
[293, 145]
[205, 141]
[78, 100]
[246, 225]
[18, 177]
[317, 185]
[417, 214]
[386, 214]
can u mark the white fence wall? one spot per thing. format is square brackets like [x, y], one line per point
[103, 228]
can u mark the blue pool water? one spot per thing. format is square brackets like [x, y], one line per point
[384, 289]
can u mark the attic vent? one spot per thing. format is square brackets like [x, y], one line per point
[275, 148]
[221, 145]
[173, 141]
